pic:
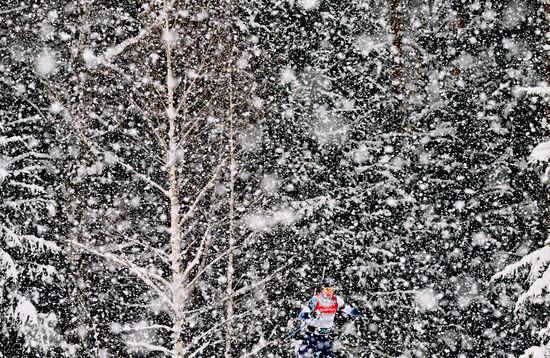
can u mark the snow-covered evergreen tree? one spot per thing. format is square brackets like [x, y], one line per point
[30, 256]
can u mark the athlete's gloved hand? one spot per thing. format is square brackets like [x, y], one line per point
[354, 312]
[303, 316]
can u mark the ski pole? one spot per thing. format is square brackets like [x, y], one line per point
[294, 332]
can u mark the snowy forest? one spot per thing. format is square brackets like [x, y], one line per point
[177, 176]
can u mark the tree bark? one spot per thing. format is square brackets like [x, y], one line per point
[397, 50]
[175, 215]
[230, 258]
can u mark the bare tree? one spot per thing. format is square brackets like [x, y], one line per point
[148, 192]
[397, 52]
[231, 249]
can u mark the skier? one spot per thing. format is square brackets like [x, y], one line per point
[318, 316]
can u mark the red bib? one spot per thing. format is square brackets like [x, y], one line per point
[332, 309]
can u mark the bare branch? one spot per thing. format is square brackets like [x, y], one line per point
[128, 167]
[200, 251]
[205, 345]
[130, 242]
[201, 272]
[202, 193]
[245, 289]
[112, 52]
[152, 348]
[195, 340]
[139, 328]
[145, 277]
[15, 9]
[161, 141]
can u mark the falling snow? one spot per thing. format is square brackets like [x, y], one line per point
[181, 178]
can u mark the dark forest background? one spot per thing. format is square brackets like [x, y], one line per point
[176, 176]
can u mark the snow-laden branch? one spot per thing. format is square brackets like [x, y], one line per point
[9, 269]
[394, 292]
[541, 152]
[263, 344]
[536, 351]
[25, 156]
[20, 121]
[160, 140]
[206, 268]
[537, 261]
[535, 292]
[199, 253]
[19, 138]
[151, 347]
[33, 242]
[130, 242]
[540, 90]
[143, 177]
[33, 188]
[15, 9]
[144, 328]
[145, 276]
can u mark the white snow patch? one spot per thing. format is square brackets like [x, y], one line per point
[201, 16]
[45, 63]
[287, 76]
[541, 152]
[257, 102]
[243, 61]
[257, 222]
[308, 4]
[110, 157]
[481, 239]
[53, 15]
[265, 222]
[459, 205]
[426, 299]
[90, 58]
[540, 90]
[192, 74]
[56, 107]
[270, 184]
[26, 312]
[170, 37]
[489, 15]
[366, 44]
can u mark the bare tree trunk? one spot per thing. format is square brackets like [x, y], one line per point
[175, 216]
[397, 49]
[230, 258]
[458, 9]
